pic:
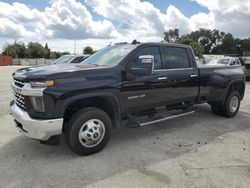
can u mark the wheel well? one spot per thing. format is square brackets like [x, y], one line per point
[107, 104]
[240, 87]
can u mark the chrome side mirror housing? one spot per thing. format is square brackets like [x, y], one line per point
[146, 65]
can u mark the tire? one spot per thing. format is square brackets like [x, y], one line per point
[216, 109]
[88, 131]
[231, 105]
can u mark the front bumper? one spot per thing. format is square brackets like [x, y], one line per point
[35, 128]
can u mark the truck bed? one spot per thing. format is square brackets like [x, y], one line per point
[215, 80]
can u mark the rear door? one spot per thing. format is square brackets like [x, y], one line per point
[181, 75]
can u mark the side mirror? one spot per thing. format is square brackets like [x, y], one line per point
[146, 65]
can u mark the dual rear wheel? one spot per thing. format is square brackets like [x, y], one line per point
[230, 107]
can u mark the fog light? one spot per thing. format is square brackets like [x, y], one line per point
[37, 103]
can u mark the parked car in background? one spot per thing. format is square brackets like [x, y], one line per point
[226, 61]
[247, 66]
[199, 61]
[70, 59]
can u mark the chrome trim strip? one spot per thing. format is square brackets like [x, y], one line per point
[166, 118]
[27, 90]
[158, 70]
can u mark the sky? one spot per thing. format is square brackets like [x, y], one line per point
[98, 23]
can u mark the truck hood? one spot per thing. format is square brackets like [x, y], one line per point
[52, 71]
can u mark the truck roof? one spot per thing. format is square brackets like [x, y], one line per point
[156, 43]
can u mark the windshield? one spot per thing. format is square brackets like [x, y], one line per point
[219, 61]
[109, 56]
[63, 59]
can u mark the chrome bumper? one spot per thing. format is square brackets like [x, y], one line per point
[35, 128]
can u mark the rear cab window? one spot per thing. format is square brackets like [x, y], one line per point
[175, 58]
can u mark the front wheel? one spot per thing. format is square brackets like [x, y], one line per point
[88, 131]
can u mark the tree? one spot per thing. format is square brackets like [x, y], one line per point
[35, 50]
[56, 55]
[245, 46]
[197, 48]
[88, 50]
[172, 35]
[209, 39]
[47, 52]
[228, 45]
[16, 50]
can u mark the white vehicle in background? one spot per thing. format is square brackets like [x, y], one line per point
[199, 61]
[247, 65]
[70, 59]
[225, 61]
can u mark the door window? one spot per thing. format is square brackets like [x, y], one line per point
[154, 51]
[234, 62]
[175, 58]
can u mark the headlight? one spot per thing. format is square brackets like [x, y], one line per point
[47, 83]
[37, 103]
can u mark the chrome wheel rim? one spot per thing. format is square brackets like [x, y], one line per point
[234, 103]
[91, 133]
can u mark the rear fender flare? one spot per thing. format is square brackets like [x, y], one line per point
[230, 85]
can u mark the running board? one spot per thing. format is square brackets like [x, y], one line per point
[166, 118]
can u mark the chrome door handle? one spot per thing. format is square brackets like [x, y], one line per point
[193, 75]
[162, 78]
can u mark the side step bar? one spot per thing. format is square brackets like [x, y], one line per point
[166, 118]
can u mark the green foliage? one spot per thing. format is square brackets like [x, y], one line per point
[56, 55]
[47, 52]
[172, 35]
[33, 50]
[88, 50]
[197, 48]
[210, 42]
[16, 50]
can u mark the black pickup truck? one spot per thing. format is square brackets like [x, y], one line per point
[131, 83]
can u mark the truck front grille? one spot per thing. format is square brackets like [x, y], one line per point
[19, 83]
[19, 99]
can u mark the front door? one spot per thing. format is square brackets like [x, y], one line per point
[143, 92]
